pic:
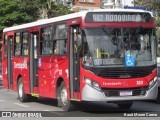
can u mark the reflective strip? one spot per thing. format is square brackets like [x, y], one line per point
[75, 99]
[34, 95]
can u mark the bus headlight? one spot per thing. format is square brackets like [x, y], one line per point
[88, 81]
[92, 83]
[152, 82]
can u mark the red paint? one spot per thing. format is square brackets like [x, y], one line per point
[36, 90]
[49, 70]
[76, 95]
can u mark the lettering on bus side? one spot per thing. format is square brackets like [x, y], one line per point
[21, 65]
[112, 83]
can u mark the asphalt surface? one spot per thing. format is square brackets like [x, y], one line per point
[48, 108]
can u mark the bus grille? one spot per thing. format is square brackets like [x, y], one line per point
[116, 92]
[125, 72]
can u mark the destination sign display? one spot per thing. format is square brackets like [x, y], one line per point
[118, 17]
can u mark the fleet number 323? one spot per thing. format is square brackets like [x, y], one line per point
[139, 82]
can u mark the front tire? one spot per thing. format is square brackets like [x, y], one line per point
[66, 105]
[21, 94]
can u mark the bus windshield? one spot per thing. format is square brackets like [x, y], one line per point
[105, 46]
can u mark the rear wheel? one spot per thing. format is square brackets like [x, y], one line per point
[125, 105]
[21, 94]
[66, 104]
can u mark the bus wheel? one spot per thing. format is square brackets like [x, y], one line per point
[125, 105]
[66, 105]
[21, 94]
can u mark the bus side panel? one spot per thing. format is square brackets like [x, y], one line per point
[16, 70]
[50, 69]
[4, 66]
[20, 68]
[25, 75]
[4, 73]
[63, 72]
[46, 78]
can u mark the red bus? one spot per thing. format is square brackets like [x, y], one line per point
[102, 55]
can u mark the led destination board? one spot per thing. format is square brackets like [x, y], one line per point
[118, 17]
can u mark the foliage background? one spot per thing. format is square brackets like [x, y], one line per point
[15, 12]
[151, 5]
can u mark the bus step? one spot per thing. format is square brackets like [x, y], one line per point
[73, 99]
[34, 94]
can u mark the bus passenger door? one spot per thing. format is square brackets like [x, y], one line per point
[74, 63]
[9, 63]
[33, 54]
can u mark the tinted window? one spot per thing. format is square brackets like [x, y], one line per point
[5, 46]
[46, 43]
[17, 44]
[25, 43]
[60, 41]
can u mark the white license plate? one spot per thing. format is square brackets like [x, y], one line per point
[125, 93]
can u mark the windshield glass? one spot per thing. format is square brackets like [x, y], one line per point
[118, 46]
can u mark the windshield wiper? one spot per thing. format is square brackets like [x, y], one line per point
[108, 32]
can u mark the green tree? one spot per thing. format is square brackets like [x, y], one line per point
[30, 7]
[15, 12]
[49, 9]
[11, 14]
[59, 10]
[158, 21]
[45, 8]
[149, 4]
[158, 33]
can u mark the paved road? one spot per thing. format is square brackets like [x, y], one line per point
[9, 102]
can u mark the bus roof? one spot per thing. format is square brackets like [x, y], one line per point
[67, 17]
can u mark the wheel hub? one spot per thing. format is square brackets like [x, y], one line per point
[64, 96]
[20, 89]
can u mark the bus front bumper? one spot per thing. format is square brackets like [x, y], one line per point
[91, 94]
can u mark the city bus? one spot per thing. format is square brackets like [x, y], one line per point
[101, 55]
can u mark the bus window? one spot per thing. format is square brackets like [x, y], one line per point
[46, 43]
[17, 45]
[60, 44]
[61, 31]
[60, 47]
[56, 47]
[5, 46]
[25, 43]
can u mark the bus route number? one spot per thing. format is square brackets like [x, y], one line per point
[139, 82]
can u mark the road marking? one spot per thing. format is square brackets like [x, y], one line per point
[21, 105]
[46, 110]
[57, 113]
